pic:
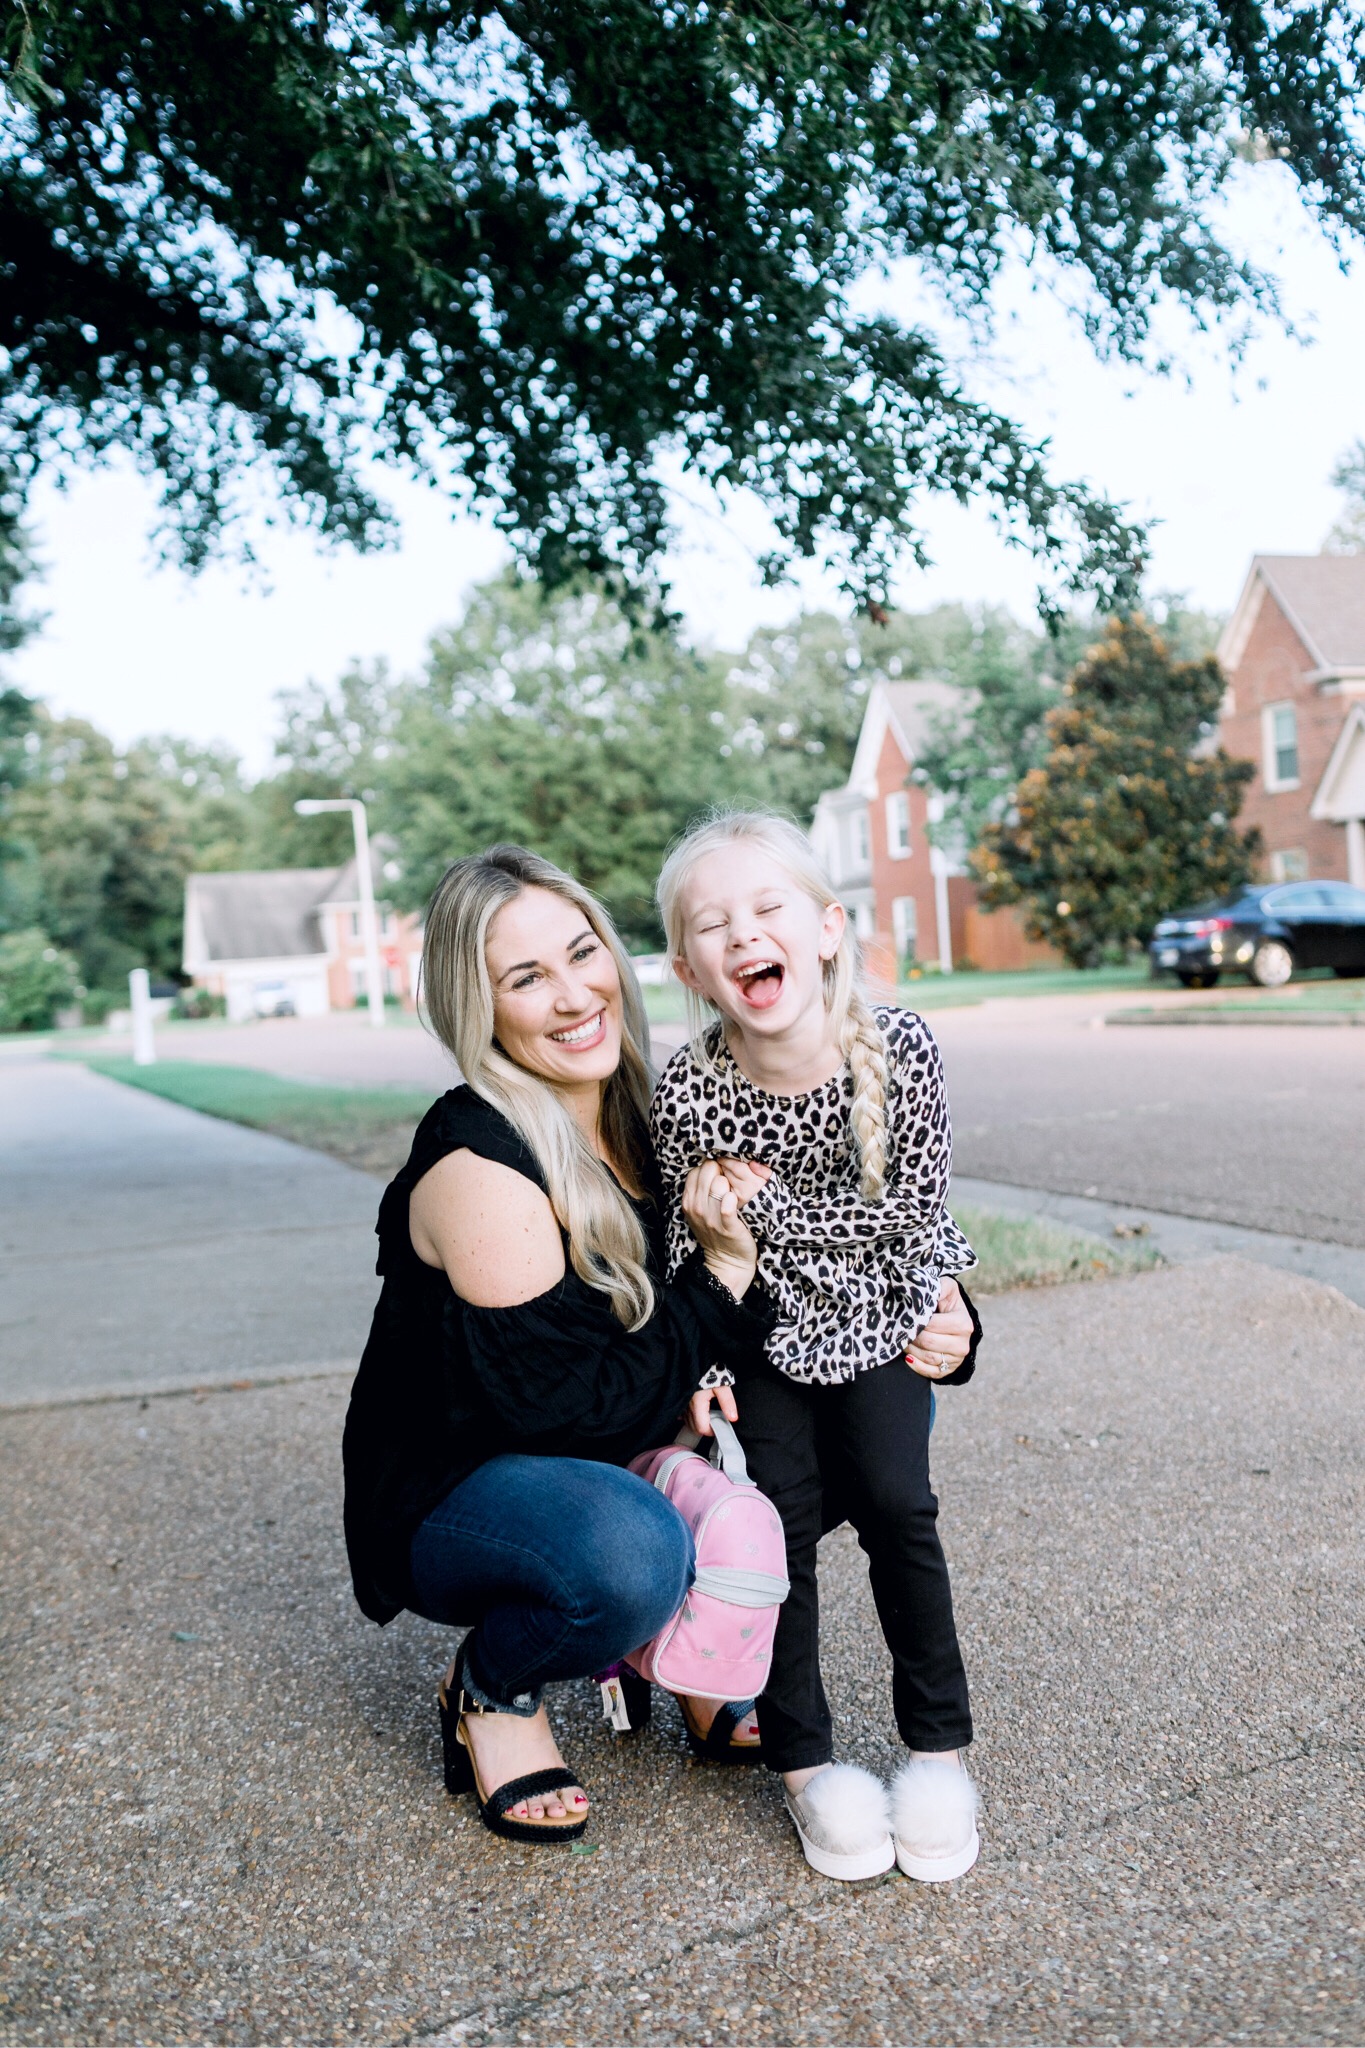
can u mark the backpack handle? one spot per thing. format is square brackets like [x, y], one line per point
[727, 1451]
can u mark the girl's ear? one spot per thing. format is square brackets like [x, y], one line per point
[682, 968]
[832, 930]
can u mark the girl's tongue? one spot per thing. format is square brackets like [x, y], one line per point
[760, 991]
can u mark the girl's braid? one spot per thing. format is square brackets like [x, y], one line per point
[865, 1052]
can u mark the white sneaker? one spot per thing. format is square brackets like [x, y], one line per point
[841, 1817]
[933, 1819]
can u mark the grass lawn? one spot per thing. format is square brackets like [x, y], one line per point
[955, 991]
[366, 1127]
[962, 990]
[1315, 993]
[1033, 1251]
[372, 1128]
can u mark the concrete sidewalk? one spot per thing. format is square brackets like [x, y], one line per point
[144, 1245]
[223, 1813]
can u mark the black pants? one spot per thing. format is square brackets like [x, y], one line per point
[858, 1452]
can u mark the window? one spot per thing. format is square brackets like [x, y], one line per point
[1281, 732]
[898, 824]
[905, 927]
[355, 924]
[386, 924]
[860, 838]
[1291, 865]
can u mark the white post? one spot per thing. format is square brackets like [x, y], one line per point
[1355, 852]
[369, 923]
[938, 862]
[140, 996]
[938, 868]
[312, 807]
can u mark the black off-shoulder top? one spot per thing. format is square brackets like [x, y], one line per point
[444, 1385]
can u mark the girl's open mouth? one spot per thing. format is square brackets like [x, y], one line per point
[760, 983]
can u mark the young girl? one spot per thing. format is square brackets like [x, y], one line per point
[831, 1120]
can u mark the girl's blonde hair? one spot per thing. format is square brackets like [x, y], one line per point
[606, 1240]
[858, 1034]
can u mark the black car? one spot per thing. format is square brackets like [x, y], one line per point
[1265, 931]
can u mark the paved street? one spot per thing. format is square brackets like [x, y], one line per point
[141, 1244]
[1261, 1127]
[223, 1812]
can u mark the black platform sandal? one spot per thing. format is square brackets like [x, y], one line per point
[462, 1775]
[718, 1745]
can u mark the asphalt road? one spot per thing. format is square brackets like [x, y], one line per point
[1261, 1127]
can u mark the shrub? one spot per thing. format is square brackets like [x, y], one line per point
[36, 979]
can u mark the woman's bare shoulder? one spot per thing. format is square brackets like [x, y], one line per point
[490, 1228]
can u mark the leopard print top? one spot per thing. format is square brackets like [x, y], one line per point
[853, 1282]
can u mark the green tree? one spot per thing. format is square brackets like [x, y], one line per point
[529, 248]
[978, 748]
[553, 720]
[100, 850]
[36, 979]
[1348, 534]
[797, 696]
[1007, 676]
[332, 742]
[1130, 815]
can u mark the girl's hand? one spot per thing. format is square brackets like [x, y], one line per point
[711, 1208]
[699, 1408]
[746, 1177]
[946, 1338]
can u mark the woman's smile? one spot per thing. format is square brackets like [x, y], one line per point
[582, 1037]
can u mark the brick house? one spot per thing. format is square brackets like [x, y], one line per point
[909, 900]
[296, 930]
[1294, 656]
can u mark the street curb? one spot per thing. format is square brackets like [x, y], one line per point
[156, 1390]
[1313, 1018]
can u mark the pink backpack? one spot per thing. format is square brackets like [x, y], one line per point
[719, 1644]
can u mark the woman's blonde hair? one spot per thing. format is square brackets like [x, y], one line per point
[858, 1034]
[606, 1240]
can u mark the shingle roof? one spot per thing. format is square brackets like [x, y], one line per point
[914, 705]
[267, 915]
[1323, 597]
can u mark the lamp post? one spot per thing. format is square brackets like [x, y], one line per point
[312, 807]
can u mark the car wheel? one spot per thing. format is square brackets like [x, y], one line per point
[1272, 964]
[1198, 980]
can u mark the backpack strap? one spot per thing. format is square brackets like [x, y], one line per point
[727, 1451]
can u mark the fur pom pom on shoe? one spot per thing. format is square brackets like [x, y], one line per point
[933, 1818]
[841, 1817]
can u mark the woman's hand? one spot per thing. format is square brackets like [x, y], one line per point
[699, 1408]
[946, 1338]
[711, 1208]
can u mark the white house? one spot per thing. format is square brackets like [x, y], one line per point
[293, 935]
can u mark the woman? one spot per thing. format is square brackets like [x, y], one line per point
[525, 1346]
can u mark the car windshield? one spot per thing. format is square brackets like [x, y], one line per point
[1213, 909]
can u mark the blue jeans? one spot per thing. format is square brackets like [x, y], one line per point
[560, 1564]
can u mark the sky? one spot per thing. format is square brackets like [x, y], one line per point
[1228, 462]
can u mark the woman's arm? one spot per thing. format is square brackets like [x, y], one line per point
[551, 1363]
